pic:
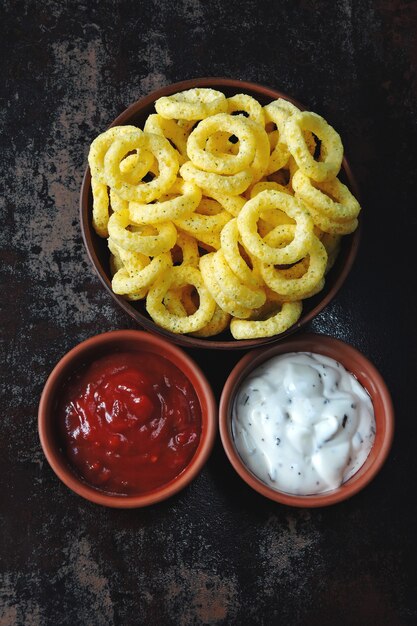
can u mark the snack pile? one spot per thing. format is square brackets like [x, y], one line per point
[221, 212]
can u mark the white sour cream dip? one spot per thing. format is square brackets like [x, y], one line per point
[302, 423]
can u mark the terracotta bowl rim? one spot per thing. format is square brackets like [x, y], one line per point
[350, 243]
[88, 347]
[341, 351]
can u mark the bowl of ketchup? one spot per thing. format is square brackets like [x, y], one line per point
[127, 419]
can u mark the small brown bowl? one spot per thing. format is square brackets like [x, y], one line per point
[108, 344]
[98, 252]
[366, 374]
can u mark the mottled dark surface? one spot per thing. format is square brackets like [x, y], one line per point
[216, 553]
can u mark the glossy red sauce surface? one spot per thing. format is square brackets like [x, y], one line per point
[130, 422]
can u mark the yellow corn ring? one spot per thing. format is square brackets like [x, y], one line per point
[100, 146]
[148, 244]
[100, 207]
[303, 233]
[259, 164]
[222, 163]
[192, 104]
[249, 297]
[117, 203]
[175, 208]
[278, 323]
[177, 277]
[242, 102]
[163, 152]
[331, 145]
[223, 301]
[189, 250]
[229, 239]
[331, 198]
[124, 283]
[331, 226]
[231, 185]
[232, 204]
[288, 282]
[218, 323]
[169, 129]
[205, 228]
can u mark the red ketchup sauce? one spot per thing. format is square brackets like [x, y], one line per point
[130, 422]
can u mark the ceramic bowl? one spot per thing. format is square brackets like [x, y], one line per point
[366, 374]
[97, 249]
[108, 344]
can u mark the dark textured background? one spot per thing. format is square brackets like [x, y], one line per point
[216, 553]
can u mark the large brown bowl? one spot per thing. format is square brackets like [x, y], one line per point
[354, 362]
[97, 249]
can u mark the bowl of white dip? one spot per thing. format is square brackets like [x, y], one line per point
[308, 422]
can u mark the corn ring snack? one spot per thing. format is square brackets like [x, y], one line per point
[175, 208]
[218, 323]
[222, 163]
[177, 277]
[100, 207]
[223, 301]
[232, 185]
[260, 162]
[188, 248]
[241, 103]
[331, 145]
[162, 150]
[249, 297]
[303, 233]
[287, 282]
[125, 283]
[205, 228]
[149, 244]
[176, 135]
[331, 198]
[100, 146]
[286, 317]
[229, 239]
[231, 204]
[192, 104]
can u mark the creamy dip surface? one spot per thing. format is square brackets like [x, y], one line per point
[303, 424]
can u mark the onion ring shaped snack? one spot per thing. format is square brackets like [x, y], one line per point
[243, 103]
[163, 152]
[287, 282]
[331, 145]
[177, 277]
[169, 129]
[149, 244]
[232, 204]
[125, 283]
[331, 198]
[232, 185]
[229, 239]
[218, 323]
[222, 163]
[100, 146]
[192, 104]
[100, 207]
[175, 208]
[286, 317]
[223, 301]
[247, 224]
[250, 297]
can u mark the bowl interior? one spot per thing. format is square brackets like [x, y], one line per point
[98, 252]
[367, 375]
[93, 349]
